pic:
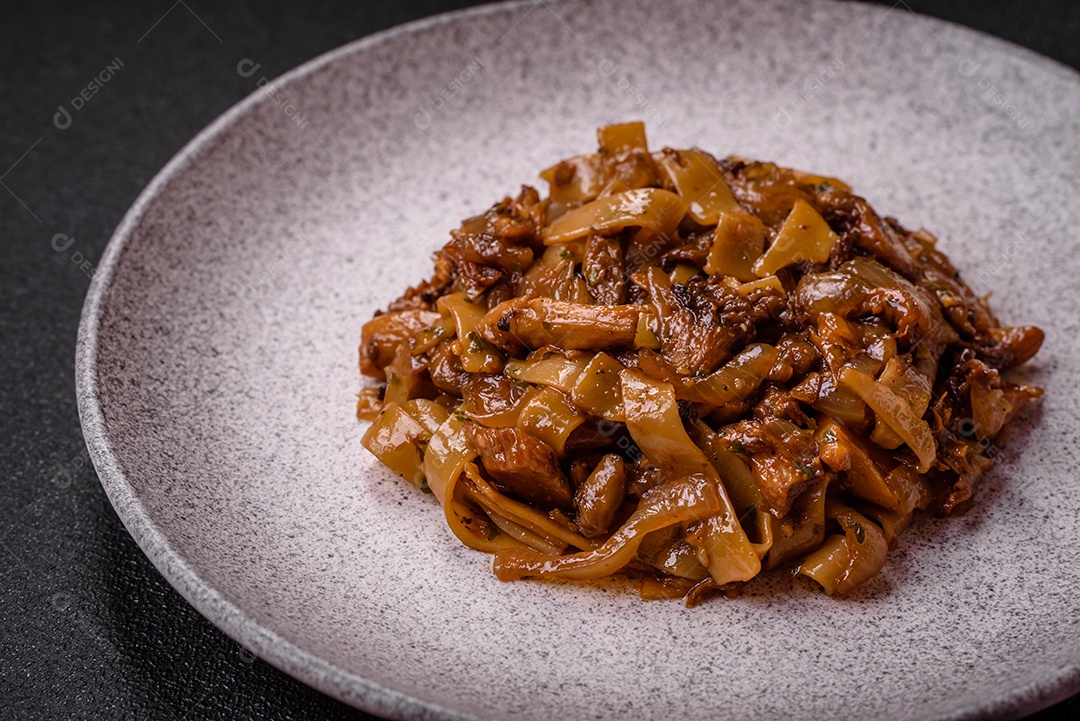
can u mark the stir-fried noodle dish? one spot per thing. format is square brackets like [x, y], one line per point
[688, 370]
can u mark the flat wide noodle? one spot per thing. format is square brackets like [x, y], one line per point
[653, 421]
[448, 452]
[685, 499]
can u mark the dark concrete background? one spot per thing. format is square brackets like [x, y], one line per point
[88, 629]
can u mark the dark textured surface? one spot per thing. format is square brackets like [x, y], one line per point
[91, 630]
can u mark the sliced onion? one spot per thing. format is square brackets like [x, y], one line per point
[522, 514]
[674, 502]
[890, 408]
[550, 367]
[653, 209]
[652, 417]
[735, 381]
[845, 561]
[395, 438]
[697, 178]
[446, 454]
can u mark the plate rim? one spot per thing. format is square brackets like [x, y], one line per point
[286, 656]
[226, 616]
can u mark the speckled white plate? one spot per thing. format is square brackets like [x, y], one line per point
[217, 361]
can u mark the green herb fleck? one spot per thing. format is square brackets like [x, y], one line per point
[566, 254]
[806, 470]
[476, 343]
[830, 436]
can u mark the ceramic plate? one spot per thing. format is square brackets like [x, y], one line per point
[217, 362]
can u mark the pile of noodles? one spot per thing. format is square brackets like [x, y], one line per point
[689, 370]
